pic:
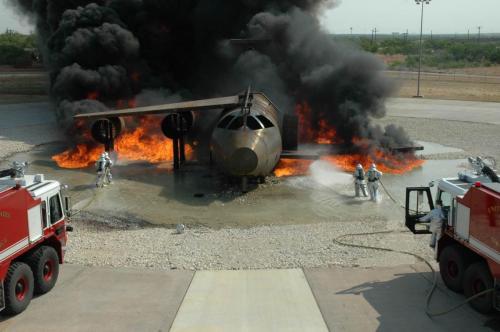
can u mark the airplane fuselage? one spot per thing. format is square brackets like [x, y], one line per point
[252, 148]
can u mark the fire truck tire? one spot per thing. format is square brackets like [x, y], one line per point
[18, 288]
[452, 265]
[44, 263]
[476, 280]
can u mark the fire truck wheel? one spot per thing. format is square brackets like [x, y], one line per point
[477, 279]
[45, 265]
[452, 265]
[18, 288]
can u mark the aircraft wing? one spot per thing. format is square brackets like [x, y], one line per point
[194, 105]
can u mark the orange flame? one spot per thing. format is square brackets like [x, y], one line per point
[320, 133]
[292, 167]
[94, 95]
[386, 163]
[80, 157]
[143, 143]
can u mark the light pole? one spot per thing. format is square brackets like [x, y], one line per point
[420, 2]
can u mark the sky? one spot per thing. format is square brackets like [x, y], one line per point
[388, 16]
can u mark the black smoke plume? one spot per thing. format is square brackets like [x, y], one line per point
[116, 49]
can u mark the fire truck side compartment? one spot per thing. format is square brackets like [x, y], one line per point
[14, 206]
[484, 231]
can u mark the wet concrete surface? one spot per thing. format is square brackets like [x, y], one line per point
[199, 195]
[435, 148]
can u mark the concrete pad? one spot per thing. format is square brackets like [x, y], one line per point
[270, 300]
[105, 299]
[388, 299]
[469, 111]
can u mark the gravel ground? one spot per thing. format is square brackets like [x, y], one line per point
[125, 243]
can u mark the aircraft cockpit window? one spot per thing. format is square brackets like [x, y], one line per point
[253, 124]
[265, 121]
[236, 124]
[224, 122]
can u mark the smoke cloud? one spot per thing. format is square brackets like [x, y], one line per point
[116, 49]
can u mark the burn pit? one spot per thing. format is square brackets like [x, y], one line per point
[140, 140]
[108, 52]
[357, 151]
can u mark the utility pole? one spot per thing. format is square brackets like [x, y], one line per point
[479, 34]
[468, 34]
[351, 32]
[375, 33]
[420, 2]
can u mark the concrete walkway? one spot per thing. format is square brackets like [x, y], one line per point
[335, 299]
[273, 300]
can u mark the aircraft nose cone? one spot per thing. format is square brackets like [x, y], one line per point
[243, 161]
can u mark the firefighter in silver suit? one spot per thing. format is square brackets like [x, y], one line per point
[373, 176]
[103, 165]
[360, 181]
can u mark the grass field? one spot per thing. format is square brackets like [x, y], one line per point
[448, 89]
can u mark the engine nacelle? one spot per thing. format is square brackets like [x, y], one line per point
[105, 130]
[177, 124]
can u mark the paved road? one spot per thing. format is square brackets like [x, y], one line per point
[337, 299]
[469, 111]
[26, 115]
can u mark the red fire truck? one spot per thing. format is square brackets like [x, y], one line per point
[468, 250]
[32, 237]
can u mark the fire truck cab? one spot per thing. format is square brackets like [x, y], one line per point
[468, 250]
[33, 217]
